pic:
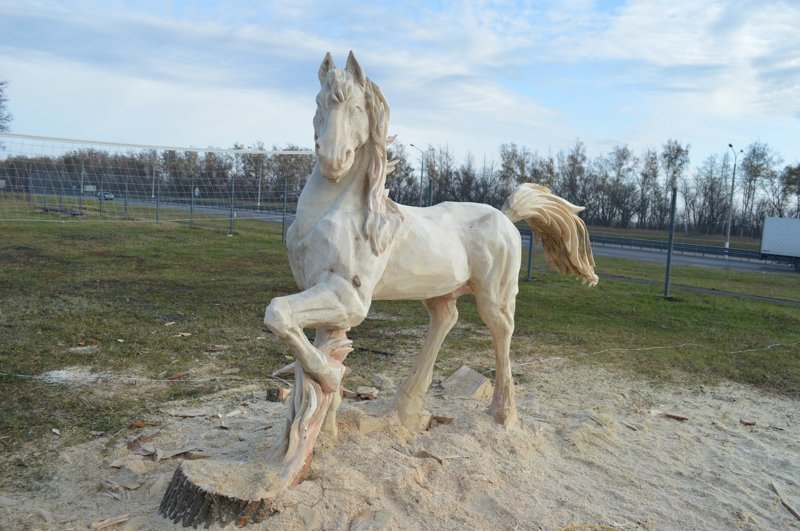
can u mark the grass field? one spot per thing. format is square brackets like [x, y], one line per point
[178, 312]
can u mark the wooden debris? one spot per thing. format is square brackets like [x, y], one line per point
[347, 393]
[278, 394]
[675, 416]
[747, 422]
[784, 502]
[382, 382]
[629, 426]
[443, 419]
[109, 522]
[468, 383]
[425, 454]
[366, 393]
[178, 376]
[126, 479]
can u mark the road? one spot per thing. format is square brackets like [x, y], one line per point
[645, 255]
[690, 259]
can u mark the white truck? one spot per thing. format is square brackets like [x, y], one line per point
[781, 240]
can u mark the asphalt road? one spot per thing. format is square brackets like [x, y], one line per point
[690, 259]
[655, 255]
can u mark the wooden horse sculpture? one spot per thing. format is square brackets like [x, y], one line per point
[351, 244]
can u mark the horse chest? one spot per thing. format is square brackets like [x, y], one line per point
[331, 245]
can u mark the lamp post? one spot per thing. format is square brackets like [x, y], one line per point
[421, 171]
[729, 219]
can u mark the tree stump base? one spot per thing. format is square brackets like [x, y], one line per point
[205, 492]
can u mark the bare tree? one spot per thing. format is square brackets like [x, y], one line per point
[791, 180]
[402, 183]
[5, 116]
[646, 182]
[757, 165]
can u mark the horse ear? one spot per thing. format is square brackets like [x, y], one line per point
[327, 64]
[354, 68]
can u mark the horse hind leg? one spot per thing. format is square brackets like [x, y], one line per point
[407, 403]
[498, 314]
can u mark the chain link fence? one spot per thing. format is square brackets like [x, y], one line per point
[49, 179]
[64, 180]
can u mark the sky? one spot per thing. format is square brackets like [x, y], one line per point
[466, 75]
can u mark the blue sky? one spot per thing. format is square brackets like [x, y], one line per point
[469, 75]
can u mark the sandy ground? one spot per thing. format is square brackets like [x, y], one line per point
[595, 450]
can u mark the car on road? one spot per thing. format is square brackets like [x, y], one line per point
[108, 196]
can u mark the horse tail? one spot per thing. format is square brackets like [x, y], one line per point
[555, 222]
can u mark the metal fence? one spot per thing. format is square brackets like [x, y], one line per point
[52, 179]
[63, 180]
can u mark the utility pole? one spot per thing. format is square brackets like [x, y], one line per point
[729, 217]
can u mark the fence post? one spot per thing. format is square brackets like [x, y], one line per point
[80, 191]
[233, 192]
[530, 253]
[61, 194]
[191, 205]
[158, 196]
[285, 206]
[127, 178]
[669, 243]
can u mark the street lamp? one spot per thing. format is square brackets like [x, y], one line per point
[421, 170]
[730, 203]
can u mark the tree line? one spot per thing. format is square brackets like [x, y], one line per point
[620, 188]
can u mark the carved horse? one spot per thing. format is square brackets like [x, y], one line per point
[351, 244]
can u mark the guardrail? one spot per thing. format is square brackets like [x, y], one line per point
[693, 248]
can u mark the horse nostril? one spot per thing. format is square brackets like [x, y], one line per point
[348, 154]
[316, 146]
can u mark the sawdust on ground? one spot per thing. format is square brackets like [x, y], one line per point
[596, 449]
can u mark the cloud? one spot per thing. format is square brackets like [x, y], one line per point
[469, 74]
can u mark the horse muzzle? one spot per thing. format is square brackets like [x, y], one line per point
[335, 166]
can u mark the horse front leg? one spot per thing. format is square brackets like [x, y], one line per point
[206, 490]
[331, 307]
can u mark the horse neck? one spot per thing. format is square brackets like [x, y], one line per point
[321, 196]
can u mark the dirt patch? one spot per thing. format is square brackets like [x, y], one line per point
[596, 448]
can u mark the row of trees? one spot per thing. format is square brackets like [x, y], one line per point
[620, 188]
[168, 174]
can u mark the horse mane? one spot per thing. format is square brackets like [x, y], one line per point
[383, 215]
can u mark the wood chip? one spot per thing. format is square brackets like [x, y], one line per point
[425, 454]
[366, 393]
[629, 426]
[347, 393]
[675, 416]
[784, 502]
[104, 524]
[278, 394]
[468, 383]
[747, 422]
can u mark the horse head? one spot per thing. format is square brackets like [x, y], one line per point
[341, 124]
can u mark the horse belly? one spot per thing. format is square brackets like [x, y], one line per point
[427, 260]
